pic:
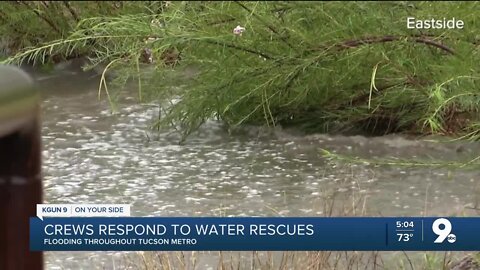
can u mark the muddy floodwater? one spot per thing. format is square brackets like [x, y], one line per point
[93, 156]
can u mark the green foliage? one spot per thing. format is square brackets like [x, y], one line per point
[26, 24]
[320, 66]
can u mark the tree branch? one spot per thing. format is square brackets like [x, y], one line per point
[383, 39]
[372, 40]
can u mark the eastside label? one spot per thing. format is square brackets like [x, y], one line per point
[444, 23]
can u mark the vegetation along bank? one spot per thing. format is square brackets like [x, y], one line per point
[350, 67]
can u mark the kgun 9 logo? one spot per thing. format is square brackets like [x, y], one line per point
[443, 228]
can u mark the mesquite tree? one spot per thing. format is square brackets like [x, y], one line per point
[318, 66]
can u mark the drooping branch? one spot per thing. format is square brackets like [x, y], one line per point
[372, 40]
[383, 39]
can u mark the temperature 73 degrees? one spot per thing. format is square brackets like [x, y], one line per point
[404, 237]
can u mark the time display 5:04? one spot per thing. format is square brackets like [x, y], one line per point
[404, 224]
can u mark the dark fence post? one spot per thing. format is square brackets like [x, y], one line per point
[20, 169]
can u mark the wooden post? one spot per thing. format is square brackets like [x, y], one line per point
[20, 169]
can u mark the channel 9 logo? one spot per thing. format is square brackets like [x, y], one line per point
[443, 228]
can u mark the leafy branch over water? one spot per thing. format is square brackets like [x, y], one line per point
[322, 67]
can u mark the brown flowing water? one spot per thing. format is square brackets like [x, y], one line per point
[94, 156]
